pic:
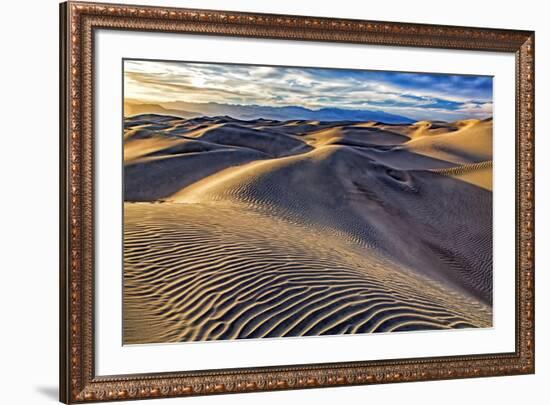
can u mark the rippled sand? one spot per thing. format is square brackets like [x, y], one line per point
[199, 272]
[255, 229]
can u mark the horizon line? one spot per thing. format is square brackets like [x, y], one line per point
[301, 119]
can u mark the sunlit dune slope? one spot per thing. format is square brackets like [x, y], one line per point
[479, 174]
[338, 188]
[355, 135]
[471, 142]
[219, 271]
[291, 228]
[160, 149]
[163, 156]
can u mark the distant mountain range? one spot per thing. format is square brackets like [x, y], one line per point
[250, 112]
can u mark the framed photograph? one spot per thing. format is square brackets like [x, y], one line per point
[255, 202]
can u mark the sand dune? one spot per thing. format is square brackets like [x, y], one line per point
[365, 200]
[471, 142]
[355, 135]
[298, 228]
[479, 174]
[191, 275]
[272, 143]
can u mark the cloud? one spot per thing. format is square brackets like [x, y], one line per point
[417, 95]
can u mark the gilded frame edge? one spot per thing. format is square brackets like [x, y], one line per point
[78, 382]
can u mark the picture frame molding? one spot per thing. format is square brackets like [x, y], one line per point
[79, 21]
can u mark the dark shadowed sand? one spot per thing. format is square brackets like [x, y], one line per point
[248, 229]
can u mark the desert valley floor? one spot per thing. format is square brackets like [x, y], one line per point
[252, 229]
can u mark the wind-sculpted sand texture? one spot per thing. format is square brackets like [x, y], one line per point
[248, 229]
[194, 275]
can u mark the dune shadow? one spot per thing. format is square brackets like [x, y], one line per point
[283, 229]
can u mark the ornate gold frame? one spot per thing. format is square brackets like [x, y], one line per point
[78, 381]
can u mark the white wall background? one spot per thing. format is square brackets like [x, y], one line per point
[29, 198]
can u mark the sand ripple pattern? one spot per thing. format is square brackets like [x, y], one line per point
[196, 272]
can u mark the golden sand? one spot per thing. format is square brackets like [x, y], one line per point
[194, 275]
[249, 229]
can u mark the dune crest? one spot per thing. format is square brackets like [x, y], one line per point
[471, 142]
[479, 174]
[360, 199]
[245, 275]
[304, 228]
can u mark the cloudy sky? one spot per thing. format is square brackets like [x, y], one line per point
[414, 95]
